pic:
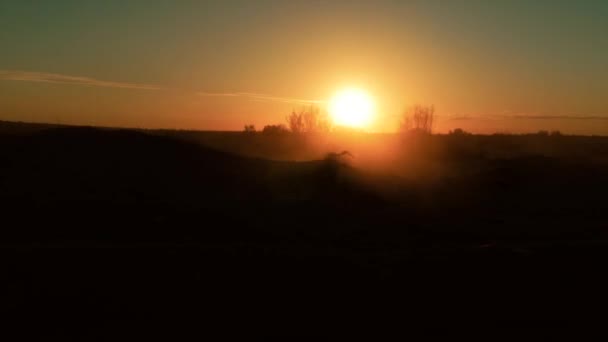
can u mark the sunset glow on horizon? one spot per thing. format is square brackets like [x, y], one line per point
[352, 107]
[220, 65]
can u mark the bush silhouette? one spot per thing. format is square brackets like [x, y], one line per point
[543, 133]
[275, 129]
[459, 132]
[556, 133]
[249, 129]
[333, 163]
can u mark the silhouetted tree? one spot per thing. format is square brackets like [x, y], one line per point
[459, 132]
[556, 133]
[249, 129]
[295, 122]
[315, 121]
[543, 133]
[308, 120]
[275, 129]
[418, 119]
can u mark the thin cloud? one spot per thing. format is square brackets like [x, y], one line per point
[560, 117]
[458, 117]
[261, 97]
[33, 76]
[524, 117]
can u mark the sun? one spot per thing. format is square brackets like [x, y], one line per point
[352, 107]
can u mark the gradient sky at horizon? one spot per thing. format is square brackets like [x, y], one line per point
[508, 66]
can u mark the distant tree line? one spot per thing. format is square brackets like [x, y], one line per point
[311, 119]
[307, 120]
[418, 119]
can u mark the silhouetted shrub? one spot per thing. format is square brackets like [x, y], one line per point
[556, 133]
[543, 133]
[459, 132]
[418, 119]
[249, 129]
[338, 158]
[334, 162]
[275, 129]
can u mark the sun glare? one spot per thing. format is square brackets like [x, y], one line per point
[352, 107]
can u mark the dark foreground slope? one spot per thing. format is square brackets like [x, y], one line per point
[115, 234]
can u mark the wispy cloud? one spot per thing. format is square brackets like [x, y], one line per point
[523, 116]
[560, 117]
[46, 77]
[458, 117]
[33, 76]
[261, 97]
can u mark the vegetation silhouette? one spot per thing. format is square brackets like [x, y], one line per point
[459, 132]
[418, 119]
[308, 120]
[275, 130]
[249, 129]
[132, 229]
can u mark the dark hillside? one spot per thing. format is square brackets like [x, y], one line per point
[96, 179]
[130, 229]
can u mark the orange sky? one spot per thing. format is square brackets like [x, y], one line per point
[513, 67]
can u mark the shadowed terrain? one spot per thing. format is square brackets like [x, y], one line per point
[197, 232]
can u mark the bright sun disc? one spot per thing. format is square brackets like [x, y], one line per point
[352, 107]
